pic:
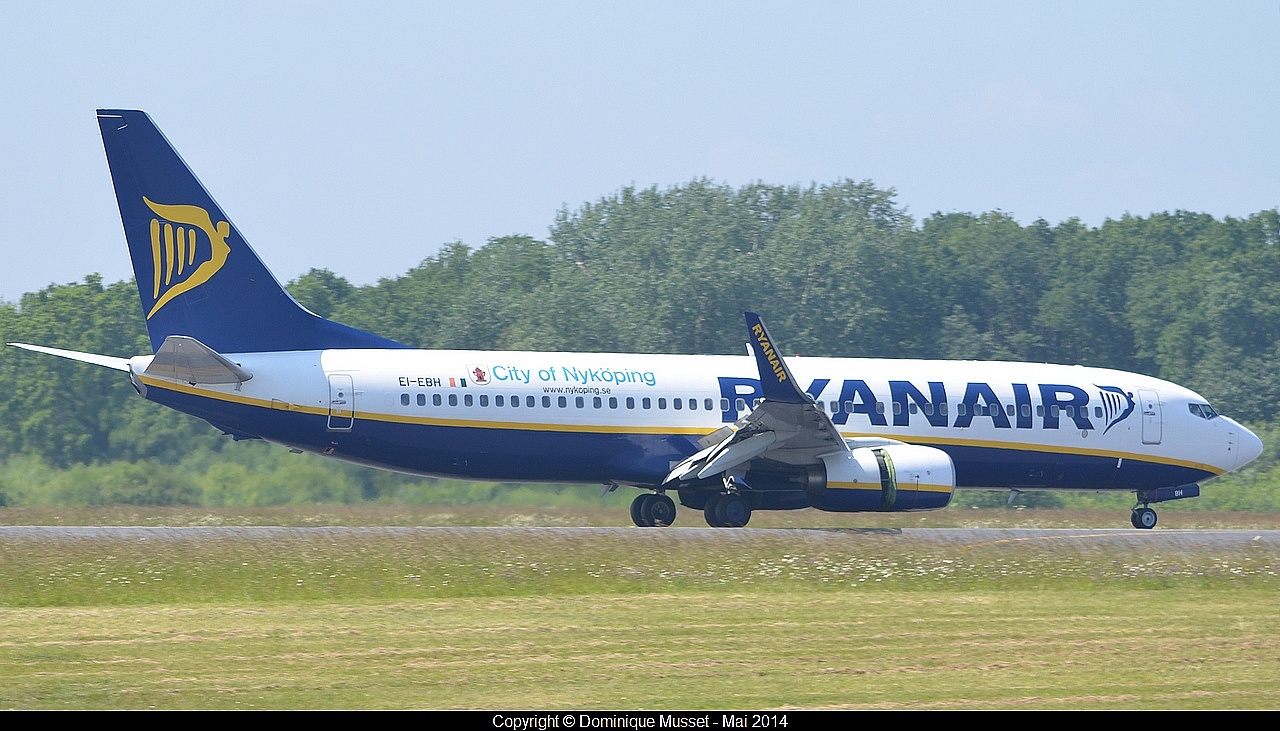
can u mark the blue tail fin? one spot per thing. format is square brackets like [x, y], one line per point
[196, 275]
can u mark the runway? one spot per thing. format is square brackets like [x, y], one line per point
[1077, 538]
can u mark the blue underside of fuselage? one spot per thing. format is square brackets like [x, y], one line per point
[641, 459]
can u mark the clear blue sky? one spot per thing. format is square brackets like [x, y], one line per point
[362, 138]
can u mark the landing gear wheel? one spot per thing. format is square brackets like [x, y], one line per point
[733, 511]
[1143, 518]
[640, 513]
[709, 511]
[662, 511]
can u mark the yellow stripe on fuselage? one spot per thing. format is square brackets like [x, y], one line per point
[874, 486]
[924, 440]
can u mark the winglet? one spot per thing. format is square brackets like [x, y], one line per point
[776, 382]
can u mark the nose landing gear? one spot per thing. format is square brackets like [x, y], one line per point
[653, 510]
[1143, 517]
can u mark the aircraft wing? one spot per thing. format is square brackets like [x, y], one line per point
[787, 426]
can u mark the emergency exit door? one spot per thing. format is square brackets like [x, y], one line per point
[342, 402]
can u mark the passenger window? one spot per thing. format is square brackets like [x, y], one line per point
[1071, 412]
[1026, 410]
[453, 399]
[484, 400]
[646, 403]
[913, 409]
[497, 401]
[942, 409]
[676, 403]
[848, 407]
[579, 402]
[631, 402]
[708, 404]
[530, 401]
[1097, 412]
[562, 402]
[515, 402]
[422, 399]
[1053, 410]
[404, 399]
[928, 409]
[546, 402]
[879, 407]
[467, 400]
[1040, 410]
[662, 403]
[596, 402]
[724, 404]
[897, 408]
[1010, 410]
[822, 406]
[962, 409]
[693, 404]
[613, 402]
[742, 405]
[435, 399]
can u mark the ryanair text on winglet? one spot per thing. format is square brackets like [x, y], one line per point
[769, 355]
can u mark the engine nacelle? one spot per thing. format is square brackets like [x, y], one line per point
[889, 478]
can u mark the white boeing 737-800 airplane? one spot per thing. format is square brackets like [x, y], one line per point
[727, 435]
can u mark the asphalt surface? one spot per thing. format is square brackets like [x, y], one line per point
[1101, 538]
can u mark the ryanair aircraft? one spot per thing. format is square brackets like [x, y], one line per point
[726, 435]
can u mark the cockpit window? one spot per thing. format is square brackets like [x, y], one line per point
[1204, 411]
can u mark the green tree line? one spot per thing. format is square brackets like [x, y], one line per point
[838, 270]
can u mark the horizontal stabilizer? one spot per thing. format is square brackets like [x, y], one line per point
[106, 361]
[181, 358]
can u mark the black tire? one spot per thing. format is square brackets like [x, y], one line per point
[1146, 518]
[709, 511]
[1133, 519]
[662, 511]
[733, 511]
[640, 514]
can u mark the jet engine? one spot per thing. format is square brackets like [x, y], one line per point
[893, 477]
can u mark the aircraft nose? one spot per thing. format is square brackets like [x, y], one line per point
[1249, 448]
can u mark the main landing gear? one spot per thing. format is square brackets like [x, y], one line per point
[1143, 517]
[653, 509]
[727, 510]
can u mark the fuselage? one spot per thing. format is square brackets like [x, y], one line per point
[628, 418]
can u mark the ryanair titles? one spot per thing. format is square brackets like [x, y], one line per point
[1014, 409]
[766, 347]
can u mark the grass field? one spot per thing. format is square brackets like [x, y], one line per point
[390, 618]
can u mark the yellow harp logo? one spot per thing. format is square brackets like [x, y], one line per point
[174, 247]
